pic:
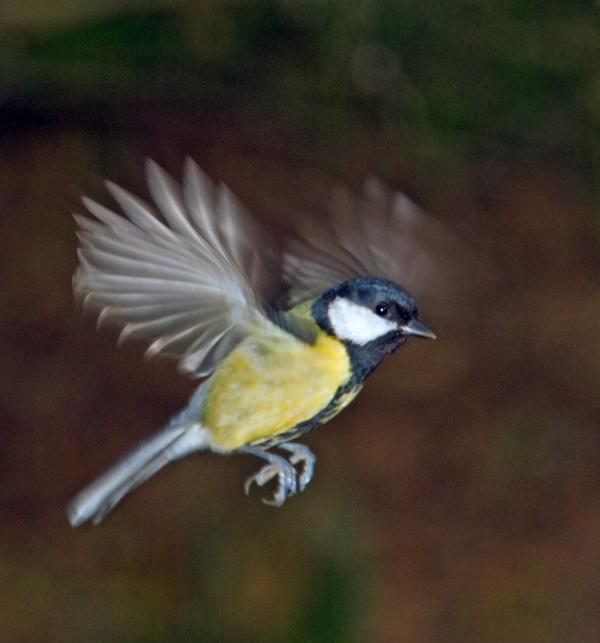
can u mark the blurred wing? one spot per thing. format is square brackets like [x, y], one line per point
[381, 233]
[190, 281]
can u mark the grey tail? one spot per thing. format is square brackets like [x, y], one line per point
[179, 438]
[97, 499]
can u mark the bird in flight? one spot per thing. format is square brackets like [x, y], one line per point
[283, 339]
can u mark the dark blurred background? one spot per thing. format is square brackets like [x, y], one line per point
[458, 499]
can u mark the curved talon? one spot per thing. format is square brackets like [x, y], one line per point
[280, 468]
[261, 477]
[301, 454]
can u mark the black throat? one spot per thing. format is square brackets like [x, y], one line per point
[364, 359]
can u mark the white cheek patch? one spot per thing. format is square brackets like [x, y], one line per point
[355, 323]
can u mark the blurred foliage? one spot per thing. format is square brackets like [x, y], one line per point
[465, 81]
[457, 500]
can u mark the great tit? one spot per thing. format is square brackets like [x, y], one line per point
[197, 279]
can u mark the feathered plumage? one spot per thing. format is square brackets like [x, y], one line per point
[191, 274]
[189, 281]
[194, 277]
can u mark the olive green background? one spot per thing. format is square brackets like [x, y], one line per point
[457, 500]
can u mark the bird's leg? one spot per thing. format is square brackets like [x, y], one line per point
[277, 467]
[301, 454]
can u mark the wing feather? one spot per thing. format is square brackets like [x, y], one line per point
[185, 275]
[191, 273]
[379, 233]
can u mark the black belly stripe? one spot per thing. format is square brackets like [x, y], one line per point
[320, 418]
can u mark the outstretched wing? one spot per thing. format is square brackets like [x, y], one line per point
[189, 280]
[381, 233]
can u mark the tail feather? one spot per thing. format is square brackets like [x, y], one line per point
[171, 443]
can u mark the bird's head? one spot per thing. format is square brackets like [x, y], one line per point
[371, 316]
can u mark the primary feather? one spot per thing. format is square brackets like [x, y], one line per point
[380, 233]
[193, 273]
[189, 280]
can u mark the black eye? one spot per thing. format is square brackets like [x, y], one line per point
[382, 309]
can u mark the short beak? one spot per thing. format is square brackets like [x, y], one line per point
[415, 328]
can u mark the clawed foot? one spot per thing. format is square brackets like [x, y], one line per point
[286, 480]
[289, 481]
[302, 455]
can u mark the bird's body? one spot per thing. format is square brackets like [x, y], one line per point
[194, 285]
[271, 385]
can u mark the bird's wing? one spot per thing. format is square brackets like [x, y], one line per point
[187, 276]
[380, 233]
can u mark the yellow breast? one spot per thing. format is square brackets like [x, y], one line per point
[269, 384]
